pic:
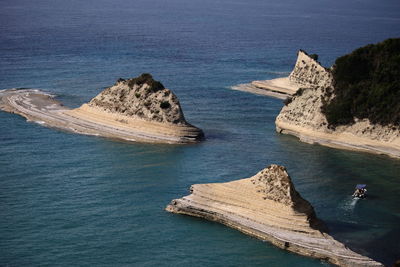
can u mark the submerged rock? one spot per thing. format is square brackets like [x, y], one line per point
[268, 207]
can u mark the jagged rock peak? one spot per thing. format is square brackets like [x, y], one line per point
[275, 184]
[141, 97]
[309, 72]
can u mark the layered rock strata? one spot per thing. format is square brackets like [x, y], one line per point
[268, 207]
[138, 109]
[279, 87]
[306, 72]
[302, 115]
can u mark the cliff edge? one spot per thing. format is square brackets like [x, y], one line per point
[346, 106]
[268, 207]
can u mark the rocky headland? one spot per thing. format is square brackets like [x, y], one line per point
[352, 105]
[268, 207]
[307, 71]
[138, 109]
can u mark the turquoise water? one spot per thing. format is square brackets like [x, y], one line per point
[67, 199]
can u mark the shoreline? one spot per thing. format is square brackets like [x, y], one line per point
[342, 140]
[36, 105]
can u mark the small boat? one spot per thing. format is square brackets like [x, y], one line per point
[361, 191]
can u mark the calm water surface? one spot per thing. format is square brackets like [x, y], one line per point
[75, 200]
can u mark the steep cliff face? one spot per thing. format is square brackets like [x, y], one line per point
[303, 115]
[142, 98]
[304, 109]
[268, 207]
[309, 73]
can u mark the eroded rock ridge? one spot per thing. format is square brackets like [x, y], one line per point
[267, 206]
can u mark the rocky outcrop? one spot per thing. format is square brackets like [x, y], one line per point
[144, 105]
[267, 206]
[138, 109]
[142, 98]
[303, 115]
[308, 72]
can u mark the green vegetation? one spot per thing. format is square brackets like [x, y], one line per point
[137, 95]
[367, 85]
[314, 56]
[165, 105]
[146, 78]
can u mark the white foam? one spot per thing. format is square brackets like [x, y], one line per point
[349, 204]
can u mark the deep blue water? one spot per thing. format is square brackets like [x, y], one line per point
[73, 200]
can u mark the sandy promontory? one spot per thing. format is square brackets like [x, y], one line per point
[307, 71]
[138, 109]
[268, 207]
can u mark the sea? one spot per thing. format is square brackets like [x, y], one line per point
[75, 200]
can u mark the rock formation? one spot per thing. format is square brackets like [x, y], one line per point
[308, 72]
[138, 109]
[303, 115]
[268, 207]
[141, 97]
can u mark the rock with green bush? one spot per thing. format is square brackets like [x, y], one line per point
[141, 97]
[357, 100]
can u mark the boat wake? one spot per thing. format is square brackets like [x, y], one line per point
[350, 204]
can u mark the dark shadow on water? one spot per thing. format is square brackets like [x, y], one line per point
[372, 197]
[384, 254]
[375, 249]
[338, 227]
[216, 134]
